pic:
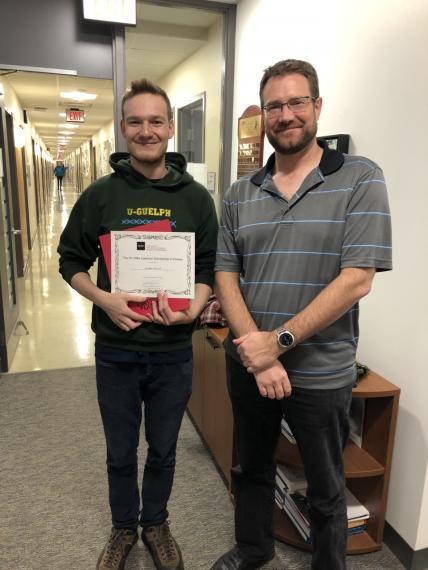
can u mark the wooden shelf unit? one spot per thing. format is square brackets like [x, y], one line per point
[367, 469]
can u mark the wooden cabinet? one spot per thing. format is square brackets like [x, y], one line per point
[209, 405]
[367, 468]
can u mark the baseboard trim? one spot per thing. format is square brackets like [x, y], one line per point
[411, 559]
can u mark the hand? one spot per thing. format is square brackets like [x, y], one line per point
[115, 305]
[258, 350]
[273, 382]
[164, 315]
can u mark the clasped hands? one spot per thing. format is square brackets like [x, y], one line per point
[259, 353]
[117, 308]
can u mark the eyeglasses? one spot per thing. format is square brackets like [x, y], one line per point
[296, 105]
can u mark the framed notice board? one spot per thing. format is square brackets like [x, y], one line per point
[250, 140]
[337, 142]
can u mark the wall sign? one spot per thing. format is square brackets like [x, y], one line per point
[114, 11]
[337, 142]
[75, 115]
[250, 140]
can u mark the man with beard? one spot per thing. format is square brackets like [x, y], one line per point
[141, 359]
[299, 244]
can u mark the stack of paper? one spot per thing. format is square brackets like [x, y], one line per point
[296, 505]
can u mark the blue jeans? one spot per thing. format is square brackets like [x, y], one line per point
[319, 420]
[123, 388]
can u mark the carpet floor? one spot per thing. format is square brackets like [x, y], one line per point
[54, 511]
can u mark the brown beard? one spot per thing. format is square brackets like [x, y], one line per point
[291, 148]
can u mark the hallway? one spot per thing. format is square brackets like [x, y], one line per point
[57, 318]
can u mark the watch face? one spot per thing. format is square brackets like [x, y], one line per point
[285, 339]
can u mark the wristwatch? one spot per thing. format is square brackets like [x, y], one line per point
[285, 338]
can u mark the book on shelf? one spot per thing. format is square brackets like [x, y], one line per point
[355, 510]
[356, 420]
[286, 431]
[296, 506]
[292, 477]
[356, 529]
[279, 497]
[357, 522]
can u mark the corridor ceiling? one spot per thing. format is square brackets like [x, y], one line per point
[163, 38]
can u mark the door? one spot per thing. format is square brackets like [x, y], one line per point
[12, 183]
[8, 295]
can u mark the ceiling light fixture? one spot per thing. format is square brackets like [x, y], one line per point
[78, 95]
[68, 126]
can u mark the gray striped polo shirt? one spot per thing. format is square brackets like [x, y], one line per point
[286, 252]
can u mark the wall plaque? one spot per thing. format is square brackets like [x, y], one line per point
[250, 140]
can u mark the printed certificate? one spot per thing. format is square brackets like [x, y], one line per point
[145, 263]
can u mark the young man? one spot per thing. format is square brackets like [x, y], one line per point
[141, 359]
[300, 242]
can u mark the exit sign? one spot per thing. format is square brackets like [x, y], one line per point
[75, 115]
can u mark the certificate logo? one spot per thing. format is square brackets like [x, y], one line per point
[141, 245]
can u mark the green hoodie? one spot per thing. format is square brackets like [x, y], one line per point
[125, 199]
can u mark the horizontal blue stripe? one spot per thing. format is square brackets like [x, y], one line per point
[369, 214]
[318, 221]
[352, 340]
[325, 373]
[279, 252]
[349, 162]
[292, 315]
[370, 181]
[272, 313]
[332, 190]
[283, 283]
[290, 222]
[247, 201]
[367, 245]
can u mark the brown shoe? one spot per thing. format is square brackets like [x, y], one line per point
[162, 546]
[116, 550]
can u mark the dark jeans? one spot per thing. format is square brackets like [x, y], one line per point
[319, 421]
[122, 389]
[59, 182]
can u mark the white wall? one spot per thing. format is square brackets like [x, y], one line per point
[200, 73]
[371, 58]
[13, 106]
[103, 142]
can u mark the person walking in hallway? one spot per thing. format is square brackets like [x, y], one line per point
[300, 241]
[141, 360]
[59, 172]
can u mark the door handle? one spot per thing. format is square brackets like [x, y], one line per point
[15, 232]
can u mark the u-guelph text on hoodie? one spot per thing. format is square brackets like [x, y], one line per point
[125, 199]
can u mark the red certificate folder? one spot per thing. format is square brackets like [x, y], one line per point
[146, 307]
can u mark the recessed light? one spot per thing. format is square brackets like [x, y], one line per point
[78, 95]
[68, 126]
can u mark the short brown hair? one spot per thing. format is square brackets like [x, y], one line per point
[141, 86]
[286, 67]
